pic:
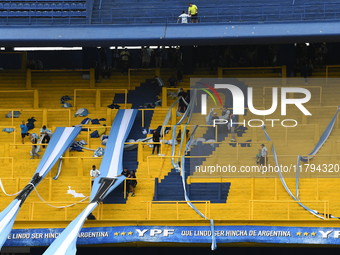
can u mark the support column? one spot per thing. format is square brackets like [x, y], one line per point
[108, 116]
[220, 72]
[98, 101]
[164, 97]
[36, 99]
[92, 79]
[28, 79]
[80, 167]
[140, 152]
[173, 116]
[44, 119]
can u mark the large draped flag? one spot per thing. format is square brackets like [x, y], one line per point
[61, 140]
[110, 167]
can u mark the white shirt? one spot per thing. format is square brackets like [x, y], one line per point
[184, 18]
[264, 152]
[94, 173]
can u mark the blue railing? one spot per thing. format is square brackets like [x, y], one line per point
[224, 13]
[54, 13]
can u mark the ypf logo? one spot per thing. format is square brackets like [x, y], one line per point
[238, 100]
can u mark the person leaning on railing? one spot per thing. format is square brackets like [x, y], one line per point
[132, 182]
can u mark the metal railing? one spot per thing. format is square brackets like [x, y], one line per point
[288, 203]
[206, 13]
[149, 208]
[98, 96]
[139, 70]
[225, 13]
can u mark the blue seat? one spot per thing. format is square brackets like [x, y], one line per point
[40, 6]
[67, 6]
[78, 13]
[46, 6]
[4, 13]
[73, 6]
[84, 13]
[1, 6]
[58, 13]
[27, 6]
[65, 14]
[6, 6]
[18, 14]
[20, 6]
[53, 6]
[45, 13]
[13, 6]
[24, 13]
[33, 6]
[80, 6]
[38, 13]
[32, 13]
[51, 13]
[72, 13]
[59, 6]
[11, 13]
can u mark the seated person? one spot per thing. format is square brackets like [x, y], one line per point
[172, 81]
[46, 133]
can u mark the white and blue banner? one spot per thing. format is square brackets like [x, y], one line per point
[61, 140]
[181, 234]
[111, 166]
[323, 137]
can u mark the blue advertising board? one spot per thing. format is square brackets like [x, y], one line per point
[181, 234]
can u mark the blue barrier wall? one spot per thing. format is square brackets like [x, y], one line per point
[190, 34]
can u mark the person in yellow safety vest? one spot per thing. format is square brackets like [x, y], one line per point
[192, 10]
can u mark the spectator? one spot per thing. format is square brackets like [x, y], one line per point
[38, 64]
[258, 157]
[146, 56]
[155, 138]
[133, 182]
[192, 10]
[183, 17]
[97, 71]
[125, 59]
[181, 101]
[159, 82]
[172, 81]
[165, 57]
[264, 156]
[232, 126]
[106, 72]
[94, 173]
[103, 56]
[34, 141]
[24, 131]
[215, 117]
[226, 116]
[158, 57]
[226, 113]
[30, 64]
[45, 133]
[126, 173]
[115, 57]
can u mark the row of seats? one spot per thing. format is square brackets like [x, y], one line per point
[43, 14]
[40, 6]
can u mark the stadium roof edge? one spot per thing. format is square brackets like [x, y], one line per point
[183, 34]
